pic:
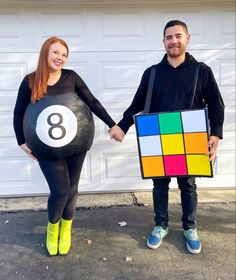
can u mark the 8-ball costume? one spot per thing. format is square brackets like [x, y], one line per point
[59, 129]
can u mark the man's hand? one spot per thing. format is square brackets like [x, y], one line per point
[27, 150]
[116, 133]
[213, 144]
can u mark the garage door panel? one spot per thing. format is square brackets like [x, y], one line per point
[21, 168]
[6, 125]
[225, 164]
[86, 174]
[7, 99]
[122, 24]
[9, 70]
[227, 23]
[228, 93]
[119, 74]
[227, 144]
[229, 122]
[227, 73]
[113, 165]
[195, 21]
[80, 66]
[10, 149]
[70, 27]
[11, 26]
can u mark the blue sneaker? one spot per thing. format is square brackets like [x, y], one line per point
[155, 237]
[192, 241]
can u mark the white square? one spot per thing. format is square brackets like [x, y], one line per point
[194, 121]
[150, 145]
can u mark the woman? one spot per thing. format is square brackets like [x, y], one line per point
[62, 174]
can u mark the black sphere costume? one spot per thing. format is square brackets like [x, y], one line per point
[58, 126]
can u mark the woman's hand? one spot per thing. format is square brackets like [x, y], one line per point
[27, 150]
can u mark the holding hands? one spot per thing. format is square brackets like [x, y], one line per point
[116, 133]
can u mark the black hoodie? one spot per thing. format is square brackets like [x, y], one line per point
[173, 91]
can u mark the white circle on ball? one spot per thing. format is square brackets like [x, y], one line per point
[56, 126]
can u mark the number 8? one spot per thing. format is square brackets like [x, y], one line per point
[56, 125]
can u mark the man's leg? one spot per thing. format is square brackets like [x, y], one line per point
[160, 204]
[188, 190]
[160, 201]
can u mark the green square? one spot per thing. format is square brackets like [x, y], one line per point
[170, 123]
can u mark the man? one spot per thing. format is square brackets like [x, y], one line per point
[173, 90]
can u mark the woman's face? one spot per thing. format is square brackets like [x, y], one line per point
[57, 56]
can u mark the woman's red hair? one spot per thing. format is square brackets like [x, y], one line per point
[39, 78]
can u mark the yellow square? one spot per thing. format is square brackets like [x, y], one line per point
[199, 165]
[172, 144]
[152, 166]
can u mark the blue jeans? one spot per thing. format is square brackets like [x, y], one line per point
[188, 188]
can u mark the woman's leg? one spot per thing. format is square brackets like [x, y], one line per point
[57, 176]
[74, 165]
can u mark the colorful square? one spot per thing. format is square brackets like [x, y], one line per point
[147, 125]
[196, 143]
[199, 165]
[175, 165]
[194, 121]
[150, 145]
[152, 166]
[173, 144]
[170, 123]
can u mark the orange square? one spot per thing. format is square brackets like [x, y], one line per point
[196, 143]
[152, 166]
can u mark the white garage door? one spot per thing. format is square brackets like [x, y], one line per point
[110, 47]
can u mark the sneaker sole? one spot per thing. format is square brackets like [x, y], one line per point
[192, 251]
[153, 246]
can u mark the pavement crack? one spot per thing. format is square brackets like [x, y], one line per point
[135, 200]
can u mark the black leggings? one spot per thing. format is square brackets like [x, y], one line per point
[63, 178]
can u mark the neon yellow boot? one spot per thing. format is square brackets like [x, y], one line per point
[65, 237]
[52, 238]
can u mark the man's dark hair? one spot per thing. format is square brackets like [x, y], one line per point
[173, 23]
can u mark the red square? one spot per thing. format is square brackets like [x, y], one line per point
[175, 165]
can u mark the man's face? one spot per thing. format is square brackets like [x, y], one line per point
[175, 41]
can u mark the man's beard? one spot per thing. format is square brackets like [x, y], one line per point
[180, 51]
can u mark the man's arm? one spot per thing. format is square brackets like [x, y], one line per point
[213, 100]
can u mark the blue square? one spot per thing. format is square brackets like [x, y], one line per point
[147, 125]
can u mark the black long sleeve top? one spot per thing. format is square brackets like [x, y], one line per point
[173, 91]
[69, 81]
